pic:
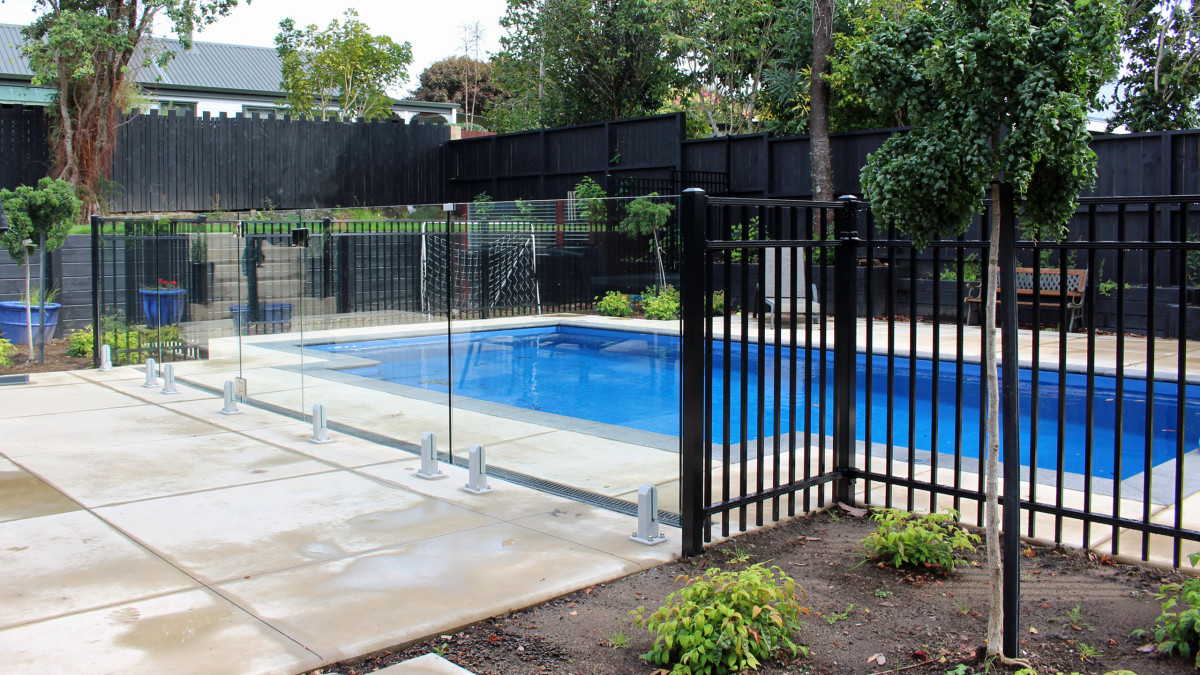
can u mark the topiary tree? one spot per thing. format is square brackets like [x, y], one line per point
[38, 217]
[644, 216]
[997, 91]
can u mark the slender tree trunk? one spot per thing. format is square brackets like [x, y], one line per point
[818, 127]
[992, 489]
[28, 308]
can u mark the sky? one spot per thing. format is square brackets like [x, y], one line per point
[433, 28]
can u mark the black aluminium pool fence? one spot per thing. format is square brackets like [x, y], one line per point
[752, 450]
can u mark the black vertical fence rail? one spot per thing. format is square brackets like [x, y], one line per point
[1097, 424]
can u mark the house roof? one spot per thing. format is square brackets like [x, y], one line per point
[205, 67]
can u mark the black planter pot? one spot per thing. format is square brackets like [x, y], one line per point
[200, 282]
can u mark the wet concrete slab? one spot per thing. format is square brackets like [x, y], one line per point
[23, 495]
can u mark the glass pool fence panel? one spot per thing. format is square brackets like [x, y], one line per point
[559, 397]
[1094, 309]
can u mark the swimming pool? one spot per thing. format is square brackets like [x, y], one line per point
[633, 380]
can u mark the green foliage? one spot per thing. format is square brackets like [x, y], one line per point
[1074, 618]
[727, 46]
[725, 622]
[927, 541]
[745, 232]
[81, 342]
[35, 296]
[661, 304]
[718, 304]
[573, 61]
[592, 207]
[199, 249]
[619, 639]
[342, 72]
[1159, 87]
[1177, 628]
[645, 216]
[834, 617]
[972, 269]
[975, 120]
[49, 210]
[83, 50]
[7, 350]
[614, 303]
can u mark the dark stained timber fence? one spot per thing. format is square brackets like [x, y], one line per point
[865, 385]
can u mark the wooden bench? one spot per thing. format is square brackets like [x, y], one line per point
[1049, 292]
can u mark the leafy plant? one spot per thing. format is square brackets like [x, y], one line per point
[127, 342]
[614, 303]
[718, 303]
[963, 606]
[882, 593]
[35, 296]
[1086, 651]
[644, 216]
[661, 304]
[590, 196]
[971, 271]
[1074, 618]
[1177, 628]
[81, 342]
[737, 555]
[925, 541]
[834, 617]
[739, 232]
[7, 350]
[725, 622]
[619, 639]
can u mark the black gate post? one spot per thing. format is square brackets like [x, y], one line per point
[1010, 402]
[845, 342]
[96, 329]
[693, 223]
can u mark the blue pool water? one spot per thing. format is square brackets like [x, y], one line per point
[633, 380]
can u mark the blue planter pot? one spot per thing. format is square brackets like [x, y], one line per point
[14, 328]
[162, 308]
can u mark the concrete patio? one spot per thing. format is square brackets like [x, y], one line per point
[143, 532]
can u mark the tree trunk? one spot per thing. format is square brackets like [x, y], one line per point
[818, 126]
[992, 509]
[28, 308]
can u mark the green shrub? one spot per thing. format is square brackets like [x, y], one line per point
[662, 305]
[718, 303]
[725, 622]
[81, 342]
[7, 349]
[1177, 629]
[614, 303]
[925, 541]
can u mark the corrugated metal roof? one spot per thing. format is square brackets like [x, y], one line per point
[207, 65]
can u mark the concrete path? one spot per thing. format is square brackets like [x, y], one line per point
[148, 533]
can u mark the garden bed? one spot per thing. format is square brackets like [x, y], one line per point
[860, 614]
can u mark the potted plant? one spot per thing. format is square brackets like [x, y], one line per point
[33, 317]
[39, 218]
[162, 303]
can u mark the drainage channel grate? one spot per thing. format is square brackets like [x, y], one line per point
[524, 479]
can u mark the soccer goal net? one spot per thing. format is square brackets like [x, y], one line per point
[490, 272]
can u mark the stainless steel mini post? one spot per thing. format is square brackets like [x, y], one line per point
[647, 532]
[477, 471]
[429, 462]
[320, 432]
[169, 380]
[151, 375]
[230, 404]
[105, 358]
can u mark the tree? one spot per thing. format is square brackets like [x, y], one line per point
[83, 50]
[450, 81]
[726, 47]
[575, 61]
[645, 216]
[342, 72]
[997, 90]
[818, 132]
[42, 217]
[1159, 88]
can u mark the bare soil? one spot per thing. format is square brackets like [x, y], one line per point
[865, 618]
[55, 359]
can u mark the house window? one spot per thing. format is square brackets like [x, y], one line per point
[180, 107]
[260, 111]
